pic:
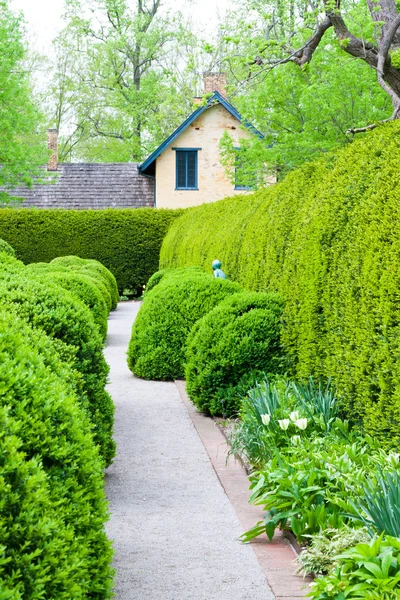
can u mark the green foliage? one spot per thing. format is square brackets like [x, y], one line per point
[64, 317]
[159, 334]
[321, 556]
[370, 570]
[94, 269]
[308, 486]
[81, 285]
[52, 504]
[22, 150]
[159, 275]
[327, 239]
[5, 247]
[126, 241]
[277, 413]
[240, 335]
[379, 505]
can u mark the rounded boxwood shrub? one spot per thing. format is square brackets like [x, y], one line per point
[52, 504]
[93, 268]
[5, 247]
[159, 275]
[157, 346]
[81, 286]
[65, 318]
[238, 337]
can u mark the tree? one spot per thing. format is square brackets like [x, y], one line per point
[22, 149]
[303, 110]
[119, 87]
[296, 29]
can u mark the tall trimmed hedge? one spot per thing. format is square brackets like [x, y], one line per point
[327, 238]
[126, 241]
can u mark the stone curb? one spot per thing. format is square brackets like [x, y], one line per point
[276, 557]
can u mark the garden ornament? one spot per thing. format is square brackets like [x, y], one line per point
[218, 272]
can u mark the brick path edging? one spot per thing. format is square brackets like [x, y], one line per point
[276, 557]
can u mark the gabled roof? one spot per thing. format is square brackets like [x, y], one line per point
[216, 98]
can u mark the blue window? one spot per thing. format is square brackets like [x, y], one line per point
[186, 169]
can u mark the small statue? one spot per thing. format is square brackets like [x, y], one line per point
[218, 272]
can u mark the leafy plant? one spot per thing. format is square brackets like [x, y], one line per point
[320, 555]
[317, 400]
[367, 571]
[379, 505]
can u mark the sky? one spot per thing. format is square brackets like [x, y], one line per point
[44, 17]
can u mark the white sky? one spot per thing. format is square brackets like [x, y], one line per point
[44, 17]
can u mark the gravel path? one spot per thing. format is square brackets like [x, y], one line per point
[174, 529]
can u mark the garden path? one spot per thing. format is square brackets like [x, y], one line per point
[173, 527]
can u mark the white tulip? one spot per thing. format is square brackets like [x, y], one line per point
[301, 423]
[294, 416]
[266, 419]
[284, 424]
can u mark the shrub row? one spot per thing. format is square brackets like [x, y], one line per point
[209, 329]
[327, 238]
[126, 241]
[159, 334]
[52, 503]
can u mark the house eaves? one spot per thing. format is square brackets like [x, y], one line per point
[147, 167]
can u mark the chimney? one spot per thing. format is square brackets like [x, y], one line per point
[52, 143]
[215, 82]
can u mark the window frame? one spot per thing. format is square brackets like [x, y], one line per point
[196, 168]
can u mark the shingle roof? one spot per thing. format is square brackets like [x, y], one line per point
[90, 185]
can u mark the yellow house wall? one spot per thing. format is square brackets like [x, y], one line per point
[205, 133]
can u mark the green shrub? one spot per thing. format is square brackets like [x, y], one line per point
[4, 247]
[327, 238]
[52, 505]
[94, 269]
[159, 275]
[159, 334]
[126, 241]
[65, 318]
[240, 335]
[79, 285]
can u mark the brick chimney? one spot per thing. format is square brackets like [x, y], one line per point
[215, 82]
[52, 143]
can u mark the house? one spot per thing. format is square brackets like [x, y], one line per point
[185, 170]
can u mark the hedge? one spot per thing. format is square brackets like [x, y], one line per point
[230, 346]
[80, 285]
[159, 334]
[52, 504]
[65, 318]
[126, 241]
[327, 238]
[91, 268]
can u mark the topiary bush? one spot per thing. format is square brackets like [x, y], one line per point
[327, 238]
[52, 504]
[169, 273]
[126, 241]
[239, 336]
[94, 269]
[80, 285]
[159, 334]
[65, 318]
[4, 247]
